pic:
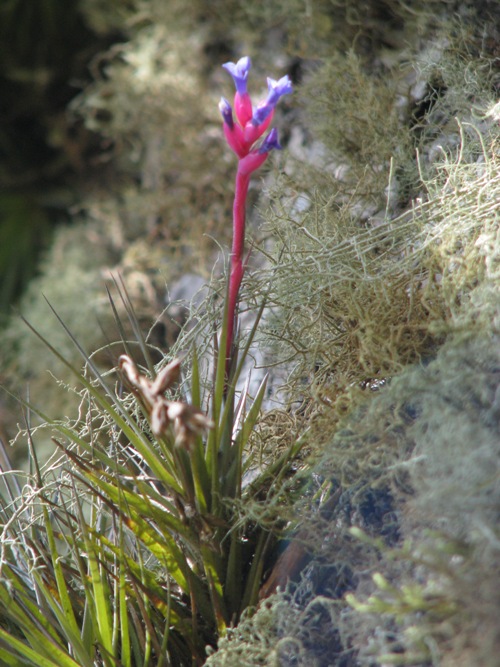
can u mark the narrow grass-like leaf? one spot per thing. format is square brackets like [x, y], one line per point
[163, 657]
[119, 323]
[195, 380]
[163, 546]
[100, 608]
[118, 415]
[254, 577]
[136, 506]
[218, 397]
[66, 625]
[251, 418]
[216, 589]
[146, 579]
[134, 322]
[36, 627]
[233, 583]
[124, 627]
[11, 660]
[16, 647]
[24, 611]
[201, 476]
[213, 440]
[67, 619]
[226, 419]
[234, 474]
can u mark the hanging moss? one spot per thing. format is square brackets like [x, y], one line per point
[395, 319]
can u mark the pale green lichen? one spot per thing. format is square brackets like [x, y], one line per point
[406, 306]
[440, 603]
[282, 631]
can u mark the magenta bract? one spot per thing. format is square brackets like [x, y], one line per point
[250, 124]
[242, 135]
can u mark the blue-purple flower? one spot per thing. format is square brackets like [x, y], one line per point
[270, 142]
[243, 133]
[243, 130]
[226, 112]
[276, 89]
[239, 72]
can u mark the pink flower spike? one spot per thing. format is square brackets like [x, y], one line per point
[243, 107]
[253, 132]
[242, 135]
[234, 138]
[251, 162]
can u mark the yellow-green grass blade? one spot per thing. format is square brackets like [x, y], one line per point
[123, 619]
[201, 476]
[137, 507]
[22, 610]
[17, 647]
[253, 580]
[218, 396]
[174, 611]
[114, 408]
[232, 483]
[159, 542]
[66, 626]
[43, 643]
[212, 567]
[68, 615]
[100, 605]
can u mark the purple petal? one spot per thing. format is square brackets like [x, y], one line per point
[239, 72]
[226, 112]
[270, 142]
[275, 90]
[278, 88]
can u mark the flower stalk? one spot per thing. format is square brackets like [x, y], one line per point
[242, 135]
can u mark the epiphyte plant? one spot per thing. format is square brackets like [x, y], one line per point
[148, 554]
[242, 134]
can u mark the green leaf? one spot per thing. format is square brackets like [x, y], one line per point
[200, 471]
[232, 481]
[139, 507]
[137, 515]
[216, 589]
[17, 647]
[252, 583]
[64, 613]
[125, 650]
[117, 413]
[65, 625]
[98, 606]
[25, 612]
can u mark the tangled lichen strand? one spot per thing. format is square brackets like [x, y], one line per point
[283, 631]
[355, 114]
[363, 301]
[442, 596]
[431, 434]
[155, 107]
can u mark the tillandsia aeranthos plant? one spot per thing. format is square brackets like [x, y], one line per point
[243, 135]
[133, 550]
